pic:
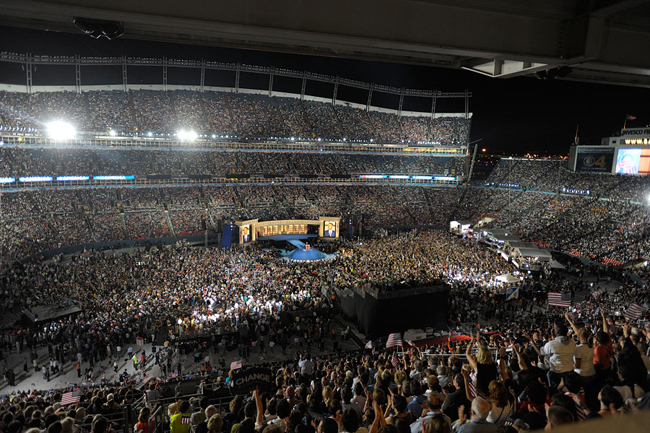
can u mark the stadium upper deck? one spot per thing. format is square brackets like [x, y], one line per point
[247, 117]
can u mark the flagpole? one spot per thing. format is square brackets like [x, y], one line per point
[625, 122]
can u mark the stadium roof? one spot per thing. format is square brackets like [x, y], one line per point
[604, 41]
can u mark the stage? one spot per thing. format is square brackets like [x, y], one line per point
[303, 252]
[285, 237]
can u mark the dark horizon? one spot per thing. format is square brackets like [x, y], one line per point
[512, 116]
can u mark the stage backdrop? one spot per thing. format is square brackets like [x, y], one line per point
[379, 314]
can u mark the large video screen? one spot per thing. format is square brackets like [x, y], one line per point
[245, 234]
[595, 159]
[329, 229]
[633, 161]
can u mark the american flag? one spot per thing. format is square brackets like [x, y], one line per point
[634, 311]
[369, 344]
[394, 340]
[235, 365]
[598, 292]
[472, 388]
[71, 397]
[557, 299]
[394, 361]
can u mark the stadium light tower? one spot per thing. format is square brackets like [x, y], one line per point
[184, 135]
[60, 130]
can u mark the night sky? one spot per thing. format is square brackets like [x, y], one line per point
[515, 115]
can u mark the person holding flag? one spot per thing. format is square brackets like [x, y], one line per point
[394, 340]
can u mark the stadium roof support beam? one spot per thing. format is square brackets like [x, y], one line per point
[433, 106]
[191, 64]
[237, 74]
[125, 78]
[77, 74]
[271, 75]
[202, 84]
[336, 90]
[498, 68]
[29, 73]
[164, 73]
[591, 37]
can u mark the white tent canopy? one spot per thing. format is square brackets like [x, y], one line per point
[460, 227]
[507, 278]
[556, 265]
[532, 252]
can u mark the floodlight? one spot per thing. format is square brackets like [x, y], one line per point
[59, 130]
[184, 135]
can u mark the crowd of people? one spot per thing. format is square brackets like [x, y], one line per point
[604, 219]
[611, 229]
[226, 115]
[28, 161]
[38, 220]
[505, 365]
[528, 367]
[551, 175]
[527, 357]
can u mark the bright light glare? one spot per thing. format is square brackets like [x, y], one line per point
[187, 135]
[59, 130]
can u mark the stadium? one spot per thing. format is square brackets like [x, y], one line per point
[257, 248]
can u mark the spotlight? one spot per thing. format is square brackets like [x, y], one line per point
[59, 130]
[187, 135]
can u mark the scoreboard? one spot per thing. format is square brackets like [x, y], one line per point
[596, 159]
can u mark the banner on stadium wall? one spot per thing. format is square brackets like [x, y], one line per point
[247, 380]
[598, 159]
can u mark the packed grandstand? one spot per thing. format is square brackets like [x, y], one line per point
[251, 117]
[193, 317]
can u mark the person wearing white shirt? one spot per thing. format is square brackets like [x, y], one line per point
[306, 364]
[431, 407]
[584, 364]
[559, 354]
